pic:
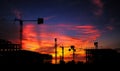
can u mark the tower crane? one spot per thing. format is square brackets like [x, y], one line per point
[39, 21]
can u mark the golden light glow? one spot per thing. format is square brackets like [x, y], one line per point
[42, 40]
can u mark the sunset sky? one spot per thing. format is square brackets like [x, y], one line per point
[72, 22]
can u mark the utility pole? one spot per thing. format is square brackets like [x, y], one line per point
[62, 53]
[40, 21]
[55, 50]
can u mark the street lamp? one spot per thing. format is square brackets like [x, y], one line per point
[96, 45]
[73, 49]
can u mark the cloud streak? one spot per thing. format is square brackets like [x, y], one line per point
[41, 38]
[49, 17]
[98, 11]
[17, 13]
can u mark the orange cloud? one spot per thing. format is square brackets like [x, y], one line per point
[30, 41]
[41, 38]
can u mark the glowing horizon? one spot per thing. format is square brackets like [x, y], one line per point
[41, 38]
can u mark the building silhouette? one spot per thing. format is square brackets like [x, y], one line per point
[6, 45]
[12, 54]
[102, 56]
